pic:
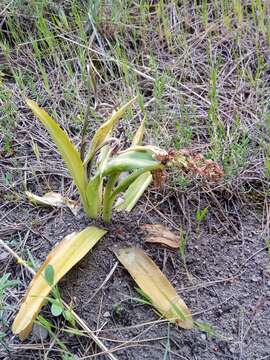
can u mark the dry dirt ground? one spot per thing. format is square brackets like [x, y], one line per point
[227, 286]
[201, 69]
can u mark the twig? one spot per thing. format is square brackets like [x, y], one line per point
[104, 282]
[8, 5]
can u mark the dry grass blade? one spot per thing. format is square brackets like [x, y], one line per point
[159, 234]
[155, 286]
[62, 258]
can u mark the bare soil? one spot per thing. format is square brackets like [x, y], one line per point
[227, 286]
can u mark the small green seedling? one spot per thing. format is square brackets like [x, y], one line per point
[5, 283]
[57, 306]
[182, 253]
[49, 327]
[201, 214]
[182, 246]
[200, 217]
[205, 327]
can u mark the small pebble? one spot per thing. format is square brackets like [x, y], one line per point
[203, 336]
[233, 348]
[106, 314]
[3, 255]
[39, 332]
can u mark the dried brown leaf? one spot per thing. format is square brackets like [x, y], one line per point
[160, 234]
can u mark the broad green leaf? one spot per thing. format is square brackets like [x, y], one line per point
[155, 286]
[67, 150]
[154, 151]
[135, 191]
[138, 137]
[105, 129]
[62, 258]
[131, 161]
[121, 165]
[56, 308]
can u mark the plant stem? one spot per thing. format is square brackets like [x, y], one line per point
[108, 199]
[124, 184]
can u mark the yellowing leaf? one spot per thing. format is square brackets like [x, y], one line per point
[62, 258]
[105, 129]
[134, 192]
[139, 134]
[67, 150]
[155, 286]
[53, 199]
[159, 234]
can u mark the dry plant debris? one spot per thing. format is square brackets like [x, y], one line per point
[157, 233]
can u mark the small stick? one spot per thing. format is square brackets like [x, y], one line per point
[80, 321]
[104, 282]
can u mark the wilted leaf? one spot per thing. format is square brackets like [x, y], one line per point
[156, 286]
[67, 150]
[53, 199]
[159, 234]
[62, 258]
[134, 192]
[105, 129]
